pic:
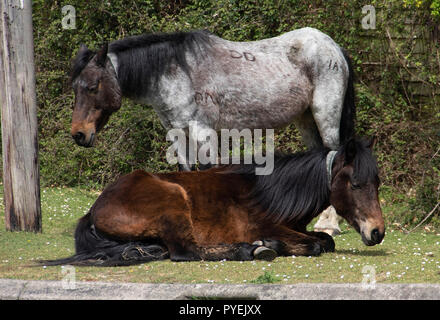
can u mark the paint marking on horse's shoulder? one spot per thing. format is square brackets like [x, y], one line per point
[203, 97]
[292, 55]
[333, 65]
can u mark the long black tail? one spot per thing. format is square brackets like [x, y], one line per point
[348, 117]
[94, 249]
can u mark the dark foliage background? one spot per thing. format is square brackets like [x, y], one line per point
[397, 67]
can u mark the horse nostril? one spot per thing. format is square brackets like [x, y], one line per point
[79, 137]
[375, 235]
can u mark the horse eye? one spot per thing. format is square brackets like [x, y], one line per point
[93, 89]
[355, 186]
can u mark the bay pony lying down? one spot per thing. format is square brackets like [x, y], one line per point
[229, 212]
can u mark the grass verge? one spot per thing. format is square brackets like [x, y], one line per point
[401, 258]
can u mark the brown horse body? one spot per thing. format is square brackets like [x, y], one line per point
[202, 209]
[227, 213]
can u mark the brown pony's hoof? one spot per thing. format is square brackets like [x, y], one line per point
[263, 253]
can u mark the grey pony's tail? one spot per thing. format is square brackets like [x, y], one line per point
[95, 249]
[348, 116]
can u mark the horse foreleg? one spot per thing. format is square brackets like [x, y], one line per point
[286, 242]
[206, 141]
[326, 241]
[184, 155]
[232, 252]
[236, 252]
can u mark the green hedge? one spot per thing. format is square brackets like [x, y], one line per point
[407, 126]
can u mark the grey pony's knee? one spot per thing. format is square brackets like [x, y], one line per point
[328, 222]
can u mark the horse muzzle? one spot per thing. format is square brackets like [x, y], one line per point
[373, 237]
[84, 140]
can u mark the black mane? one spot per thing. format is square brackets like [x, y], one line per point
[143, 59]
[298, 185]
[296, 188]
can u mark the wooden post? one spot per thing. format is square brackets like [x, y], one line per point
[21, 177]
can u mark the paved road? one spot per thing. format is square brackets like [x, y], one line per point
[59, 290]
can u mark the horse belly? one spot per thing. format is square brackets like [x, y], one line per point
[248, 87]
[264, 105]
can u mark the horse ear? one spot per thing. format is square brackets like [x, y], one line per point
[82, 49]
[370, 144]
[350, 151]
[101, 56]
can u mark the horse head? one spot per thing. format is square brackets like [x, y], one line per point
[354, 190]
[97, 94]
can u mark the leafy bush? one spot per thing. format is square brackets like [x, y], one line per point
[434, 5]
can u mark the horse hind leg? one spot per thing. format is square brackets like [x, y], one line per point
[183, 154]
[326, 108]
[328, 100]
[328, 221]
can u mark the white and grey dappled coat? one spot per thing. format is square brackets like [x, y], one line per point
[300, 76]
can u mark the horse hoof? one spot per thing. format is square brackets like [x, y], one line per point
[263, 253]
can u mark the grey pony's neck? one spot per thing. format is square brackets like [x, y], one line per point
[329, 165]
